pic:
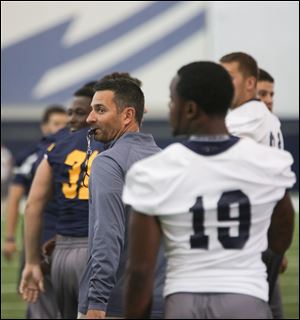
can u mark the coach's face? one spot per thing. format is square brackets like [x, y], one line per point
[105, 117]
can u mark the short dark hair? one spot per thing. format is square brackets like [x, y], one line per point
[52, 109]
[208, 84]
[247, 64]
[85, 91]
[90, 84]
[126, 93]
[264, 76]
[123, 75]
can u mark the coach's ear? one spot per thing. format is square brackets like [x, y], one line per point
[128, 115]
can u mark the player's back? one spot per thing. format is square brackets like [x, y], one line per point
[214, 201]
[68, 161]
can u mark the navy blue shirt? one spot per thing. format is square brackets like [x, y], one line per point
[52, 208]
[70, 173]
[25, 172]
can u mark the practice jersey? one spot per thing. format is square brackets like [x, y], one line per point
[254, 120]
[214, 201]
[23, 170]
[24, 174]
[51, 210]
[70, 174]
[28, 162]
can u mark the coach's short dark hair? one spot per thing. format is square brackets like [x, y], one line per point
[123, 75]
[247, 64]
[90, 84]
[126, 93]
[264, 76]
[208, 84]
[52, 109]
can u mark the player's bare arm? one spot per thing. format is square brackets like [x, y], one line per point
[145, 235]
[282, 225]
[40, 192]
[16, 192]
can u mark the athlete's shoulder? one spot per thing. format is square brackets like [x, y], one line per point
[271, 162]
[66, 141]
[163, 158]
[249, 111]
[160, 168]
[59, 135]
[275, 120]
[22, 156]
[250, 120]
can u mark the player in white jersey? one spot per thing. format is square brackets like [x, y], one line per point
[248, 116]
[252, 118]
[265, 92]
[212, 199]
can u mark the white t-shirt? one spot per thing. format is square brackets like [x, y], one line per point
[254, 120]
[211, 244]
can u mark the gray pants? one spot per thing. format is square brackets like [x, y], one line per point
[69, 260]
[46, 306]
[272, 262]
[276, 303]
[215, 306]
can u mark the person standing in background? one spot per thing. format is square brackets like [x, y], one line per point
[265, 88]
[250, 117]
[53, 121]
[265, 92]
[6, 172]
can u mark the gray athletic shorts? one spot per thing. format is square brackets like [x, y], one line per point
[45, 306]
[69, 260]
[215, 306]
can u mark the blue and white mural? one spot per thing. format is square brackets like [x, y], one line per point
[149, 39]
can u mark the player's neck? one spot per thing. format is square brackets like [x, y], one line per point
[246, 98]
[213, 127]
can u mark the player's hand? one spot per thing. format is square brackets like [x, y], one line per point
[9, 249]
[284, 264]
[32, 282]
[95, 314]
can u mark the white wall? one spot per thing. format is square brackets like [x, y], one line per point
[267, 30]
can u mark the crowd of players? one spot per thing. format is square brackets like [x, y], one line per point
[218, 200]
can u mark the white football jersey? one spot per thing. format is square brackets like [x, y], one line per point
[214, 212]
[254, 120]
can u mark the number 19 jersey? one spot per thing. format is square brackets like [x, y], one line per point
[214, 201]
